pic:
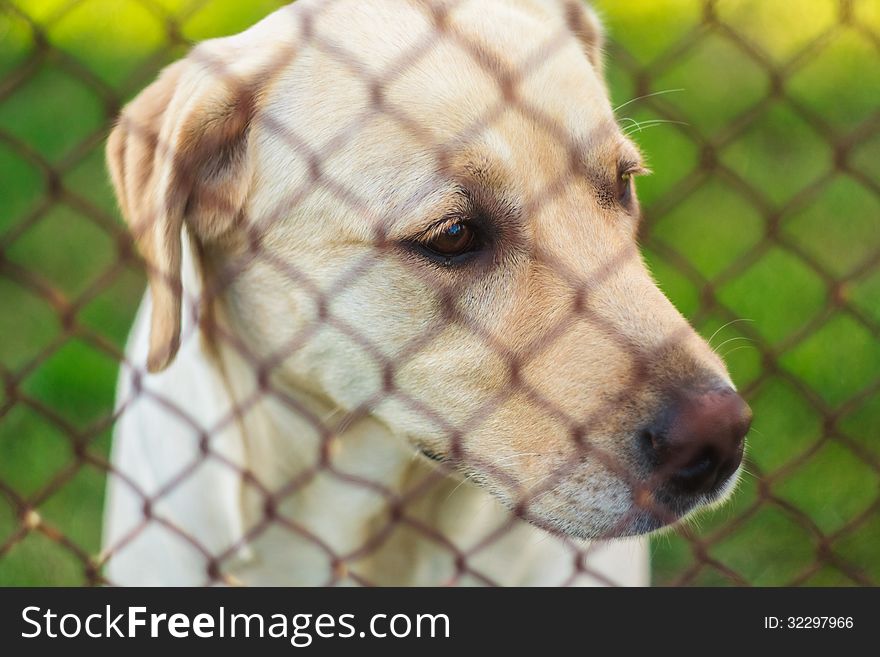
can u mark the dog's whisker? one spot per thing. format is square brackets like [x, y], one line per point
[735, 349]
[464, 480]
[724, 326]
[747, 473]
[522, 482]
[651, 95]
[630, 119]
[511, 457]
[729, 340]
[644, 125]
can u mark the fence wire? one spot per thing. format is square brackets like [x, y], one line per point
[788, 499]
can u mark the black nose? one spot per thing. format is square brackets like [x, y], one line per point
[697, 442]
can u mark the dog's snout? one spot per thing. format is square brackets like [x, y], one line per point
[697, 442]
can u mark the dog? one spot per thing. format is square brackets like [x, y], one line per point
[398, 330]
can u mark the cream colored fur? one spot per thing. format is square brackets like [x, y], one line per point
[308, 326]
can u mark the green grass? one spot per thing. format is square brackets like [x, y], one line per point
[766, 228]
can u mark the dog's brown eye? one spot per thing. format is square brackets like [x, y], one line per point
[451, 240]
[624, 188]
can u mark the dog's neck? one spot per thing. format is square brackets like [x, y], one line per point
[341, 488]
[343, 480]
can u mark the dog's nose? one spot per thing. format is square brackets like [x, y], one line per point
[697, 443]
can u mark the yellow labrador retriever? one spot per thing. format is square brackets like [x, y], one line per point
[398, 329]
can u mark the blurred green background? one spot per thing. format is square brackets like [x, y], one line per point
[764, 207]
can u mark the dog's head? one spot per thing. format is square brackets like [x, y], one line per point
[427, 210]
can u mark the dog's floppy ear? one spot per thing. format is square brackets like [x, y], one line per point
[178, 155]
[586, 26]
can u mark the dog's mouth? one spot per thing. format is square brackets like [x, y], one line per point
[660, 509]
[665, 510]
[432, 455]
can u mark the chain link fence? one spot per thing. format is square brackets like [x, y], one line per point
[761, 222]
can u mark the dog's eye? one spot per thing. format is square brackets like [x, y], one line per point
[624, 188]
[626, 184]
[451, 240]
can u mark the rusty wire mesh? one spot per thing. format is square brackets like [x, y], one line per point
[809, 511]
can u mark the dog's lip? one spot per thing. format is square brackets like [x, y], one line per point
[430, 454]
